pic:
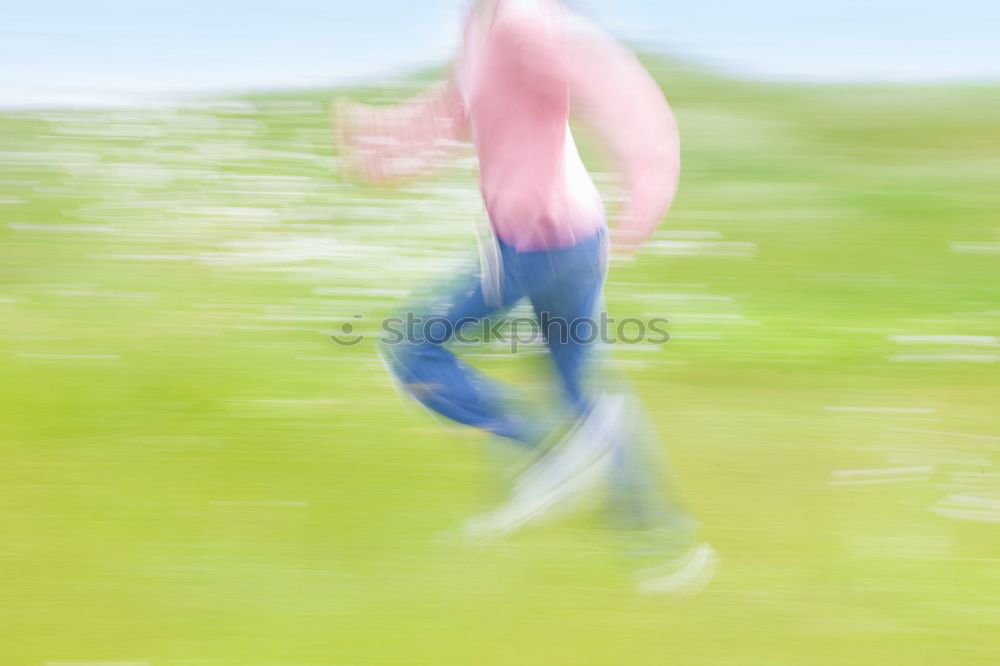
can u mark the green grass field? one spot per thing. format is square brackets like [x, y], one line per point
[193, 474]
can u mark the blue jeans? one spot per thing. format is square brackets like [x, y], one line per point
[564, 287]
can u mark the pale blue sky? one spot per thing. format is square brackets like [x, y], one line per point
[59, 50]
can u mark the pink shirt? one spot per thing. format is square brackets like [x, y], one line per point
[524, 68]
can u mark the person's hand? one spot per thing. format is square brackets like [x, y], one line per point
[360, 156]
[625, 243]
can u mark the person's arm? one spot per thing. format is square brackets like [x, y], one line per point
[613, 93]
[384, 143]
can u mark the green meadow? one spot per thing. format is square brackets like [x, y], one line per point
[193, 474]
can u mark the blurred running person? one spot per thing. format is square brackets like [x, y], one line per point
[524, 68]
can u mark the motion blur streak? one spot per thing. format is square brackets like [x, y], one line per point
[193, 474]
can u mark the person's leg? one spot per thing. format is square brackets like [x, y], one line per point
[434, 376]
[643, 496]
[565, 288]
[567, 300]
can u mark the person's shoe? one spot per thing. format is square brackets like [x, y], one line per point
[683, 576]
[576, 464]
